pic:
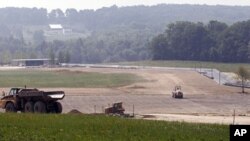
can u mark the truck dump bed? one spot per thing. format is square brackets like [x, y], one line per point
[51, 95]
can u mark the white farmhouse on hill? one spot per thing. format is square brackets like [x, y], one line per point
[57, 29]
[54, 29]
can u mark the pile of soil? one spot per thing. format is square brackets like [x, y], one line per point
[74, 111]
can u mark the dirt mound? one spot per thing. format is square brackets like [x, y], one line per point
[74, 111]
[137, 87]
[148, 116]
[68, 71]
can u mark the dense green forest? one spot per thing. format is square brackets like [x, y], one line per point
[114, 34]
[214, 41]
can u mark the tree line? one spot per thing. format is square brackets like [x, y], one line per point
[215, 41]
[125, 34]
[113, 16]
[100, 47]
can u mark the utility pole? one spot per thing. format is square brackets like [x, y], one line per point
[219, 77]
[234, 117]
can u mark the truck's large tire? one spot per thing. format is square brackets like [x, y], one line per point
[10, 107]
[58, 107]
[29, 107]
[40, 107]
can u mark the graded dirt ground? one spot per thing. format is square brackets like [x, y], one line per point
[204, 99]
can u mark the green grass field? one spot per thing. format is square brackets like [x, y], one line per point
[225, 67]
[33, 127]
[64, 78]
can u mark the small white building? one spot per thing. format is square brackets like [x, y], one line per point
[57, 29]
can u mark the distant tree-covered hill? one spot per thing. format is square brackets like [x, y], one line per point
[113, 16]
[112, 34]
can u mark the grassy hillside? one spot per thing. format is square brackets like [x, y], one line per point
[225, 67]
[35, 78]
[51, 127]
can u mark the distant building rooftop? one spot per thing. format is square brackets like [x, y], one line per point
[42, 59]
[31, 62]
[55, 26]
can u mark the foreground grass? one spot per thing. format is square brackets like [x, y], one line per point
[30, 127]
[35, 78]
[225, 67]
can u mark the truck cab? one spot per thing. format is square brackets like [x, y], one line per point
[14, 91]
[9, 100]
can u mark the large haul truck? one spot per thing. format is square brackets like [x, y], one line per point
[32, 101]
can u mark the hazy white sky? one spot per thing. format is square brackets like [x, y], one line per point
[95, 4]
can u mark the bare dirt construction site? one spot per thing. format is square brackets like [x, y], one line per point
[204, 99]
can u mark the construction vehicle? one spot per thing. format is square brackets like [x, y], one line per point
[32, 101]
[177, 93]
[116, 108]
